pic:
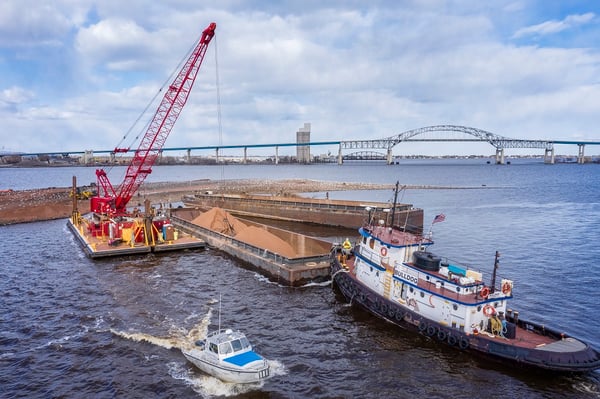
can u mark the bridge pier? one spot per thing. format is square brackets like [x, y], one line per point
[112, 158]
[245, 160]
[580, 156]
[388, 159]
[340, 158]
[276, 155]
[549, 156]
[189, 156]
[217, 155]
[499, 156]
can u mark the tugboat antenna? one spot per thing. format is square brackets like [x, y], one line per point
[395, 200]
[496, 266]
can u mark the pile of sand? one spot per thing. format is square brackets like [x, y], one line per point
[223, 222]
[261, 238]
[220, 221]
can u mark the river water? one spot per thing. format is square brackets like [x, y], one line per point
[73, 327]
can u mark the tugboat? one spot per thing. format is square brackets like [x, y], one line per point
[391, 273]
[228, 356]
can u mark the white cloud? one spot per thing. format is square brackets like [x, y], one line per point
[353, 71]
[17, 28]
[16, 95]
[554, 26]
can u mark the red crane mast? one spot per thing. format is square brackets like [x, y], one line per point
[175, 97]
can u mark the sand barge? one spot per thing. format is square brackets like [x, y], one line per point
[282, 255]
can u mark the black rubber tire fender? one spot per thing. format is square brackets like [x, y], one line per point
[431, 330]
[452, 340]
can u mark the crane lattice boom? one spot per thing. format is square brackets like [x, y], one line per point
[154, 139]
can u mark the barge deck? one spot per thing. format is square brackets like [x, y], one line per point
[101, 247]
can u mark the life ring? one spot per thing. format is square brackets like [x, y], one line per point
[463, 343]
[506, 288]
[383, 251]
[485, 292]
[489, 310]
[452, 340]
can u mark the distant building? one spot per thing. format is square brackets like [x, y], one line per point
[303, 151]
[88, 157]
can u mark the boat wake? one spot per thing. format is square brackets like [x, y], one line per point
[178, 338]
[316, 284]
[207, 386]
[589, 387]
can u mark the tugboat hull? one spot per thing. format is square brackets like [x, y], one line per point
[566, 354]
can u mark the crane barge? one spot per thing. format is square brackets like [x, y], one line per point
[110, 222]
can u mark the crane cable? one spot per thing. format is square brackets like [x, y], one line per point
[168, 81]
[220, 126]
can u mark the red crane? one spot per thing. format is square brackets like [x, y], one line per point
[112, 202]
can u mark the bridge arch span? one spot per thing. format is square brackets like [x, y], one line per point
[480, 134]
[365, 156]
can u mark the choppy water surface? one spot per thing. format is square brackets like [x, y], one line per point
[73, 327]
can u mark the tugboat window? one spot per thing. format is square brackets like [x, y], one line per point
[213, 348]
[455, 306]
[422, 294]
[371, 243]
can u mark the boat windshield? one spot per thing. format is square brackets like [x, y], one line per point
[240, 344]
[225, 348]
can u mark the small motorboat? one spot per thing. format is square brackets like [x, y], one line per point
[228, 356]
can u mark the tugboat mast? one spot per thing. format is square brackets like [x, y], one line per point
[395, 200]
[496, 266]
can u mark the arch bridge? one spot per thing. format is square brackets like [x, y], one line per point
[454, 134]
[366, 156]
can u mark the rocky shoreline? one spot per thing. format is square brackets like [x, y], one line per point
[22, 206]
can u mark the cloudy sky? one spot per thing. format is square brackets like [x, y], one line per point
[77, 74]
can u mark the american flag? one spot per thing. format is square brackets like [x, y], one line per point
[439, 218]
